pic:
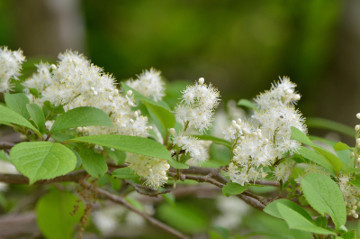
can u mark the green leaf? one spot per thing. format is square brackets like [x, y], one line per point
[248, 104]
[9, 116]
[215, 140]
[324, 195]
[37, 115]
[42, 160]
[118, 156]
[315, 157]
[296, 134]
[166, 118]
[272, 208]
[331, 158]
[81, 116]
[334, 160]
[356, 182]
[93, 163]
[133, 144]
[4, 156]
[233, 189]
[295, 220]
[169, 198]
[331, 125]
[339, 146]
[17, 102]
[125, 173]
[54, 214]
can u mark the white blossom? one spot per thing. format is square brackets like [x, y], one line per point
[266, 137]
[153, 170]
[149, 84]
[283, 170]
[197, 149]
[196, 109]
[75, 82]
[10, 67]
[351, 195]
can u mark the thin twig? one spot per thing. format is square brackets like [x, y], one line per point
[152, 220]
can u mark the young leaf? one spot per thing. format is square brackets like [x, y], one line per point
[118, 156]
[9, 116]
[331, 125]
[356, 182]
[215, 140]
[335, 162]
[124, 173]
[248, 104]
[93, 163]
[233, 189]
[295, 220]
[17, 102]
[272, 208]
[37, 115]
[296, 134]
[81, 116]
[324, 195]
[315, 157]
[42, 160]
[339, 146]
[54, 214]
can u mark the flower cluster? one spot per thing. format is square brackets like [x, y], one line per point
[153, 170]
[10, 67]
[75, 82]
[196, 110]
[149, 84]
[266, 137]
[351, 195]
[195, 113]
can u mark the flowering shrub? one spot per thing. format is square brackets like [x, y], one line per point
[78, 126]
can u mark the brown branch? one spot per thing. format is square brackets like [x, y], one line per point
[20, 179]
[6, 145]
[251, 199]
[152, 220]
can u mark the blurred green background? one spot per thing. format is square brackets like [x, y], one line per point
[240, 46]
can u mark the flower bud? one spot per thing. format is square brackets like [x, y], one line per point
[201, 80]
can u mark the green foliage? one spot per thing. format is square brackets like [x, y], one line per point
[233, 189]
[325, 197]
[93, 163]
[215, 140]
[133, 144]
[272, 208]
[8, 116]
[17, 102]
[331, 158]
[81, 116]
[55, 216]
[42, 160]
[296, 220]
[330, 125]
[247, 104]
[37, 115]
[124, 173]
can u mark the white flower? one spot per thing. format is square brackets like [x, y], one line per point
[283, 170]
[276, 123]
[197, 149]
[351, 195]
[149, 84]
[75, 82]
[10, 67]
[197, 107]
[153, 170]
[281, 93]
